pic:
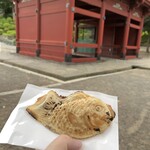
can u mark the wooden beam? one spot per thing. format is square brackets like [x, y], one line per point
[126, 35]
[117, 7]
[139, 37]
[101, 30]
[26, 41]
[69, 25]
[17, 26]
[131, 47]
[86, 45]
[69, 30]
[26, 4]
[134, 26]
[78, 60]
[130, 57]
[38, 27]
[93, 2]
[52, 43]
[86, 12]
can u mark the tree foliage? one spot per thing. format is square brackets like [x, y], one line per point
[146, 32]
[7, 27]
[6, 8]
[147, 24]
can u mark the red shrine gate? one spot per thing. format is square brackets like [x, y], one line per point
[80, 30]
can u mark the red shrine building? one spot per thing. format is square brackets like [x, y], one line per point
[80, 30]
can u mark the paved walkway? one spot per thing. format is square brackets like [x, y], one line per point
[131, 86]
[64, 71]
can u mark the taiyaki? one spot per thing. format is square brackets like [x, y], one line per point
[78, 115]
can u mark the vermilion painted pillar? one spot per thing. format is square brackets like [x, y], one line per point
[17, 26]
[101, 31]
[126, 36]
[76, 34]
[76, 31]
[69, 29]
[139, 37]
[38, 27]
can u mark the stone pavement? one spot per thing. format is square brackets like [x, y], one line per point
[132, 86]
[133, 91]
[64, 71]
[7, 48]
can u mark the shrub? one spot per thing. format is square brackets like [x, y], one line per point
[9, 19]
[5, 34]
[11, 27]
[1, 31]
[11, 33]
[1, 25]
[2, 20]
[7, 27]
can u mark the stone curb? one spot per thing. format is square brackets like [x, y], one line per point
[70, 77]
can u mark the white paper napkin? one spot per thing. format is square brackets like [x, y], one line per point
[22, 130]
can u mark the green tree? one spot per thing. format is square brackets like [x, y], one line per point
[6, 8]
[146, 32]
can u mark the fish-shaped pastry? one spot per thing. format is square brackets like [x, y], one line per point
[78, 115]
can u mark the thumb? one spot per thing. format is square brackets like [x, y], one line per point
[74, 144]
[65, 142]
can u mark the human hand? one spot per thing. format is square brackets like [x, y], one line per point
[64, 142]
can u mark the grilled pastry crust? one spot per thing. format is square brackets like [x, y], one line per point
[78, 115]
